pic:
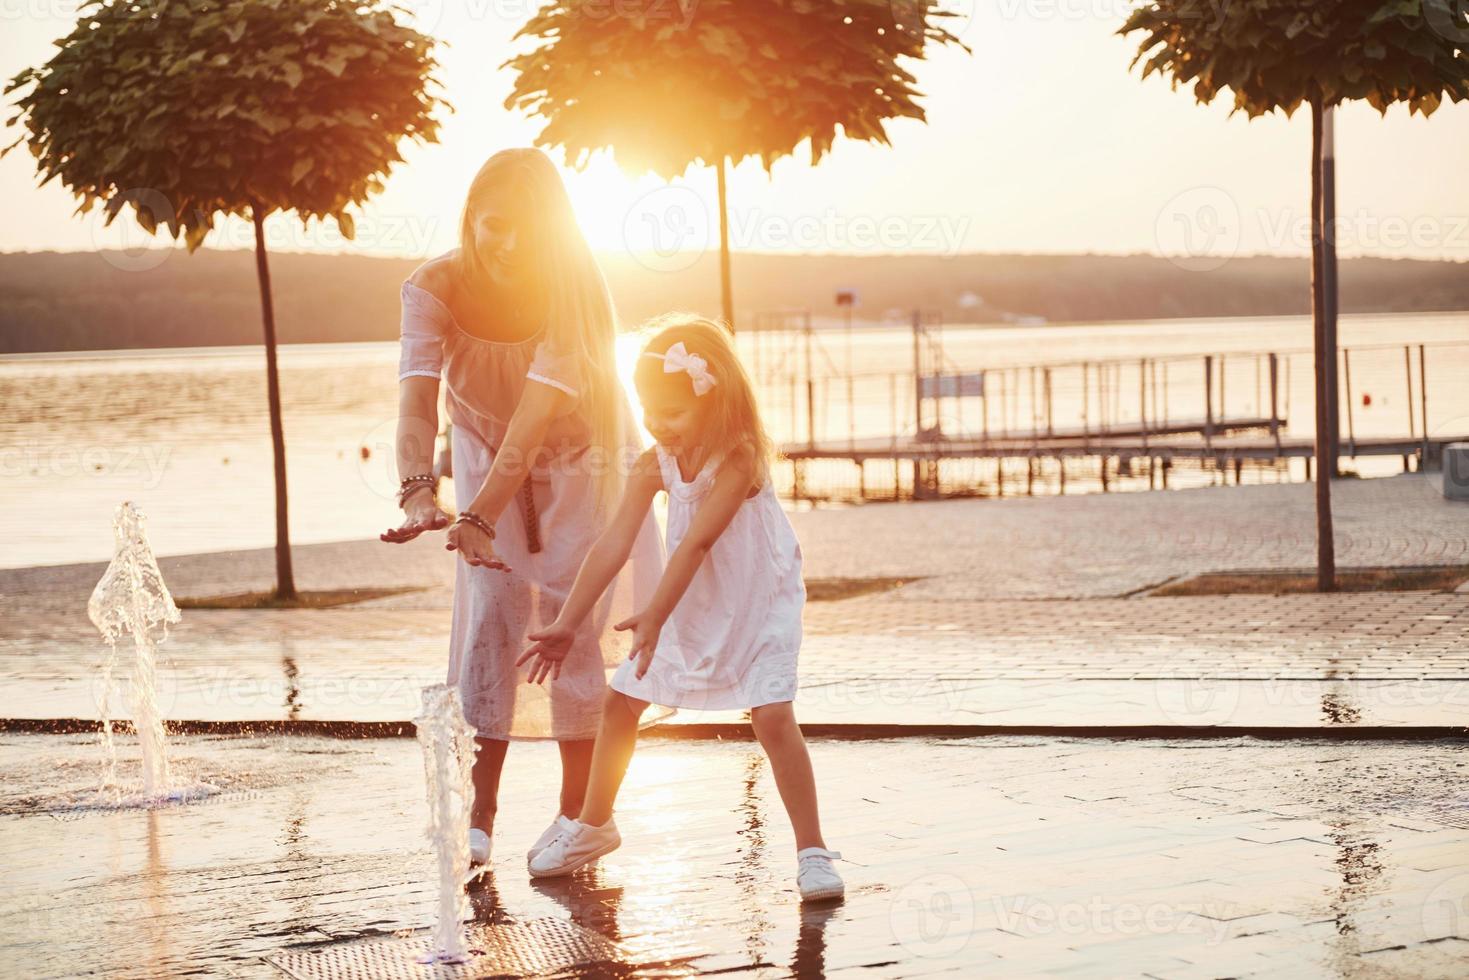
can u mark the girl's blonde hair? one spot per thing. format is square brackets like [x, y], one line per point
[734, 415]
[578, 308]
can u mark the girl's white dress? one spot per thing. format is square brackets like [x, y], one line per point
[732, 640]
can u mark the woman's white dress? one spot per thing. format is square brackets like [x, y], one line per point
[732, 640]
[494, 610]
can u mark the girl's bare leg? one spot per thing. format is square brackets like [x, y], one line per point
[488, 762]
[576, 764]
[781, 738]
[615, 742]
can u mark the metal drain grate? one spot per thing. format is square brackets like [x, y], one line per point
[529, 948]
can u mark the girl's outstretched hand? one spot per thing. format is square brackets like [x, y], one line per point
[422, 514]
[645, 629]
[549, 647]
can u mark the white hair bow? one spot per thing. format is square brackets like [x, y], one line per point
[678, 358]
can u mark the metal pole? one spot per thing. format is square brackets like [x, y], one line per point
[1050, 428]
[917, 384]
[1274, 399]
[1423, 399]
[984, 399]
[1208, 398]
[1329, 286]
[1408, 367]
[1086, 398]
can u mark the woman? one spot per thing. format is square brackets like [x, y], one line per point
[518, 323]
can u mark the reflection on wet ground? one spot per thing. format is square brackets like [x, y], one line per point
[1012, 856]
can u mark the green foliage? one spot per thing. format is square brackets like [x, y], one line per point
[1282, 53]
[188, 109]
[666, 83]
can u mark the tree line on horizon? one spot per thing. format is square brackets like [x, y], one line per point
[68, 301]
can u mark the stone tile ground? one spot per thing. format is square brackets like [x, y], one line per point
[999, 856]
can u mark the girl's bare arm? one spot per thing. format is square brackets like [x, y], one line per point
[611, 550]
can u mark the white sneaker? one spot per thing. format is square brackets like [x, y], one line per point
[561, 824]
[479, 846]
[815, 875]
[577, 845]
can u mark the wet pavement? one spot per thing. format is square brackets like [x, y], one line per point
[1016, 854]
[1009, 856]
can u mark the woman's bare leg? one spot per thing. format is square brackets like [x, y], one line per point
[781, 738]
[488, 762]
[576, 763]
[615, 742]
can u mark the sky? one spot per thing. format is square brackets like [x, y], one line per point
[1040, 141]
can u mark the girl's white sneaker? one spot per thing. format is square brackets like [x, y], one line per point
[479, 846]
[576, 846]
[560, 825]
[815, 875]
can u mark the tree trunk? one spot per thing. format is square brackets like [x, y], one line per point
[285, 579]
[1325, 544]
[726, 289]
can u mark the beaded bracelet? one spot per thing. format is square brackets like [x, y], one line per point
[470, 517]
[411, 483]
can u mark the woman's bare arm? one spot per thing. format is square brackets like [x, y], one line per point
[539, 405]
[418, 430]
[615, 544]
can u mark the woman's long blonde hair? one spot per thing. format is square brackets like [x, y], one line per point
[578, 309]
[734, 421]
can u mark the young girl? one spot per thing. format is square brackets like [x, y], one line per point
[724, 625]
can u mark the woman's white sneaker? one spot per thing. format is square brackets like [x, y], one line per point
[816, 877]
[560, 825]
[479, 846]
[576, 846]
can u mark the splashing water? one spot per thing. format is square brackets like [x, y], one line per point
[448, 757]
[131, 598]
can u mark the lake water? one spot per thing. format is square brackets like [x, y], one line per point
[185, 434]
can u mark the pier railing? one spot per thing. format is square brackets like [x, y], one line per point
[957, 427]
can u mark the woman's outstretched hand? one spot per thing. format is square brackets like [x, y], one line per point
[645, 629]
[474, 546]
[548, 649]
[421, 514]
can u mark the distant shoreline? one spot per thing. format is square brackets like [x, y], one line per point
[226, 350]
[95, 301]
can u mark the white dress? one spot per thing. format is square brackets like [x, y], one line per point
[732, 640]
[494, 610]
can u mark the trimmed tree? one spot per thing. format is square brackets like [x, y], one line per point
[193, 110]
[666, 85]
[1282, 54]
